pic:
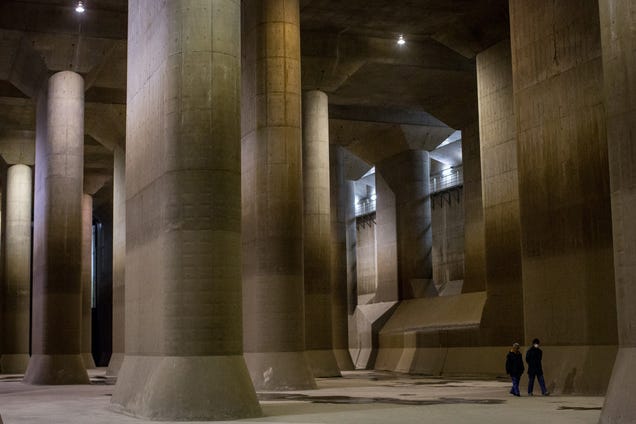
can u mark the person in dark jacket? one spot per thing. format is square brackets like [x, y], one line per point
[533, 358]
[515, 368]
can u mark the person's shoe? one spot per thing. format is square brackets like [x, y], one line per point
[546, 394]
[517, 394]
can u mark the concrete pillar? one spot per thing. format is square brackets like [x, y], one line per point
[618, 34]
[407, 176]
[3, 211]
[566, 223]
[317, 240]
[474, 247]
[57, 234]
[87, 265]
[17, 270]
[339, 276]
[500, 198]
[183, 229]
[386, 242]
[119, 259]
[351, 295]
[273, 197]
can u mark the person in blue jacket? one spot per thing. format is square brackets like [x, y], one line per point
[515, 368]
[533, 358]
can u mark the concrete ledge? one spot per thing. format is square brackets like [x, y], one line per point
[14, 363]
[56, 369]
[323, 363]
[620, 407]
[280, 371]
[185, 388]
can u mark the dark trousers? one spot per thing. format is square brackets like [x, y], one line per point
[515, 385]
[541, 383]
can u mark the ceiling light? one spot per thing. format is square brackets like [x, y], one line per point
[80, 7]
[401, 41]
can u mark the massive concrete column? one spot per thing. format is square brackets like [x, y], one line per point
[566, 223]
[407, 176]
[119, 259]
[87, 265]
[339, 273]
[500, 198]
[17, 270]
[57, 232]
[618, 34]
[183, 206]
[317, 240]
[273, 197]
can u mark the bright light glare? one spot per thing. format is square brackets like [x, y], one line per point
[80, 7]
[401, 41]
[373, 197]
[446, 172]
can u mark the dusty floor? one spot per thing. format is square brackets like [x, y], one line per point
[359, 397]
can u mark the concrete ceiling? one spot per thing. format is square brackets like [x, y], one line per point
[383, 97]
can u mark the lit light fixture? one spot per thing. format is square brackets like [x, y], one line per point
[401, 41]
[80, 7]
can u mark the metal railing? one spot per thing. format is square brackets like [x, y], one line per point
[449, 178]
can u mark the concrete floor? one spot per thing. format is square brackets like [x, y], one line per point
[359, 397]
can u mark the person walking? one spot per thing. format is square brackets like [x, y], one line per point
[515, 368]
[534, 355]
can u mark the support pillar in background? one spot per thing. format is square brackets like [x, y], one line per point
[87, 262]
[618, 35]
[57, 234]
[317, 240]
[339, 277]
[406, 175]
[500, 197]
[273, 303]
[119, 259]
[564, 197]
[474, 245]
[184, 339]
[17, 270]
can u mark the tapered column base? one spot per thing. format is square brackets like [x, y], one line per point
[620, 407]
[114, 365]
[56, 369]
[89, 362]
[14, 363]
[323, 363]
[280, 371]
[185, 388]
[343, 358]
